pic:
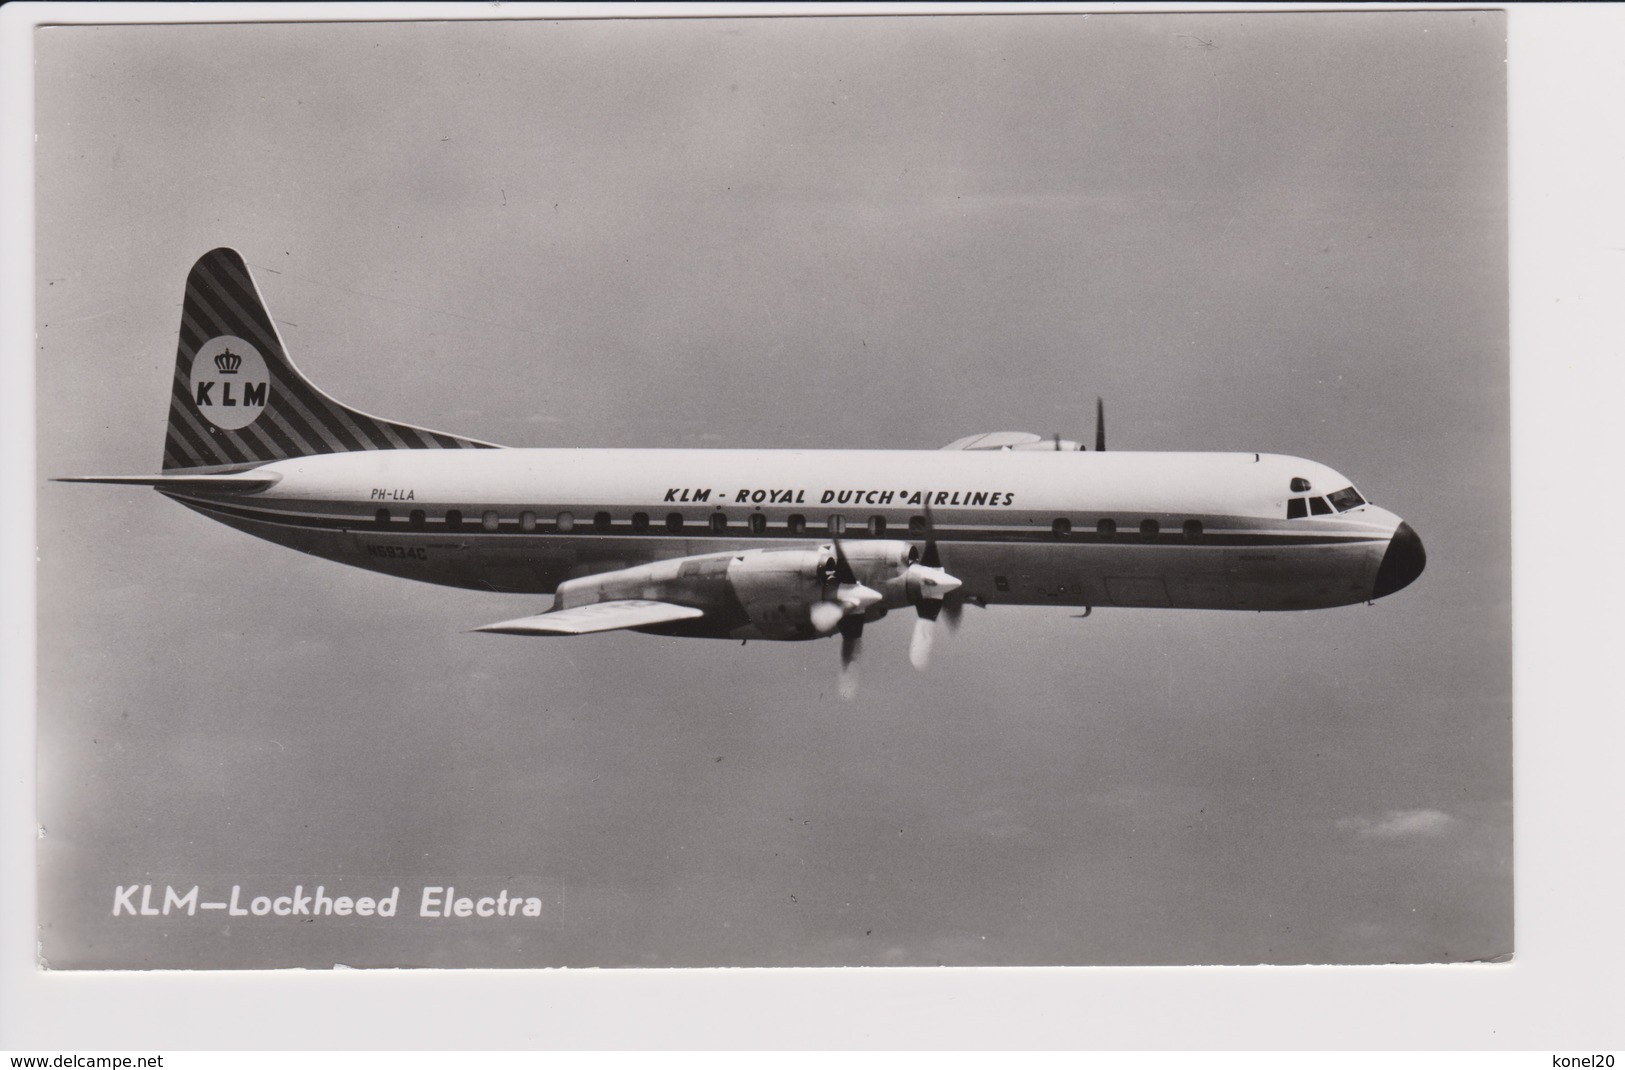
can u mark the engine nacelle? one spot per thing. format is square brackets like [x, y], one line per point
[798, 594]
[895, 570]
[776, 590]
[882, 564]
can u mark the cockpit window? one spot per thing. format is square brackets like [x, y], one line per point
[1345, 499]
[1318, 507]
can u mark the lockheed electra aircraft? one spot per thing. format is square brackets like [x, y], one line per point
[749, 544]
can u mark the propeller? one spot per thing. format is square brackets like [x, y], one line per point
[929, 585]
[844, 612]
[851, 598]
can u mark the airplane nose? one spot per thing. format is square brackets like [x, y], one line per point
[1402, 563]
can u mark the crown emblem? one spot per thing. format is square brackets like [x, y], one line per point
[228, 362]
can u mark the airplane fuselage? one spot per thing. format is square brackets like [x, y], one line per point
[1166, 530]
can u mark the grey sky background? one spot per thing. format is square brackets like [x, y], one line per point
[1267, 231]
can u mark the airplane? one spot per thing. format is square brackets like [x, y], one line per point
[748, 544]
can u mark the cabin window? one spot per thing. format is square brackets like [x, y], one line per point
[1299, 485]
[416, 519]
[454, 519]
[1106, 528]
[796, 524]
[1061, 528]
[837, 524]
[601, 521]
[1193, 530]
[381, 518]
[1318, 507]
[640, 522]
[719, 522]
[674, 521]
[1149, 529]
[916, 525]
[1345, 499]
[567, 521]
[877, 525]
[489, 520]
[758, 524]
[1001, 582]
[527, 521]
[1296, 509]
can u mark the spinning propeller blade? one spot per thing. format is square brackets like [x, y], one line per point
[851, 646]
[851, 640]
[919, 644]
[930, 585]
[930, 558]
[843, 567]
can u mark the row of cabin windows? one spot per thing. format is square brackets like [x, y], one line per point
[795, 523]
[756, 523]
[1106, 529]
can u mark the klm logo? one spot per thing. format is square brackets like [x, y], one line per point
[230, 383]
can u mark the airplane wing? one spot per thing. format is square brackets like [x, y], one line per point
[598, 617]
[994, 440]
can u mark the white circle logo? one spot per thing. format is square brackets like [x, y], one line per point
[230, 385]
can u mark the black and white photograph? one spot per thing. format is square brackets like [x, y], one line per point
[1007, 489]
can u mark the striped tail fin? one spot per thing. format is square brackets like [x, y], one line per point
[239, 401]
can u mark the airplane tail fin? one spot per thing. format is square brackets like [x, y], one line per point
[239, 401]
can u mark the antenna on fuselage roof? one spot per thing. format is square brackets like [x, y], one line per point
[1100, 424]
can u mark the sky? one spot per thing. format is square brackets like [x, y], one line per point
[1269, 232]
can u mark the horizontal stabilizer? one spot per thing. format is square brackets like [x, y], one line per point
[243, 483]
[598, 617]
